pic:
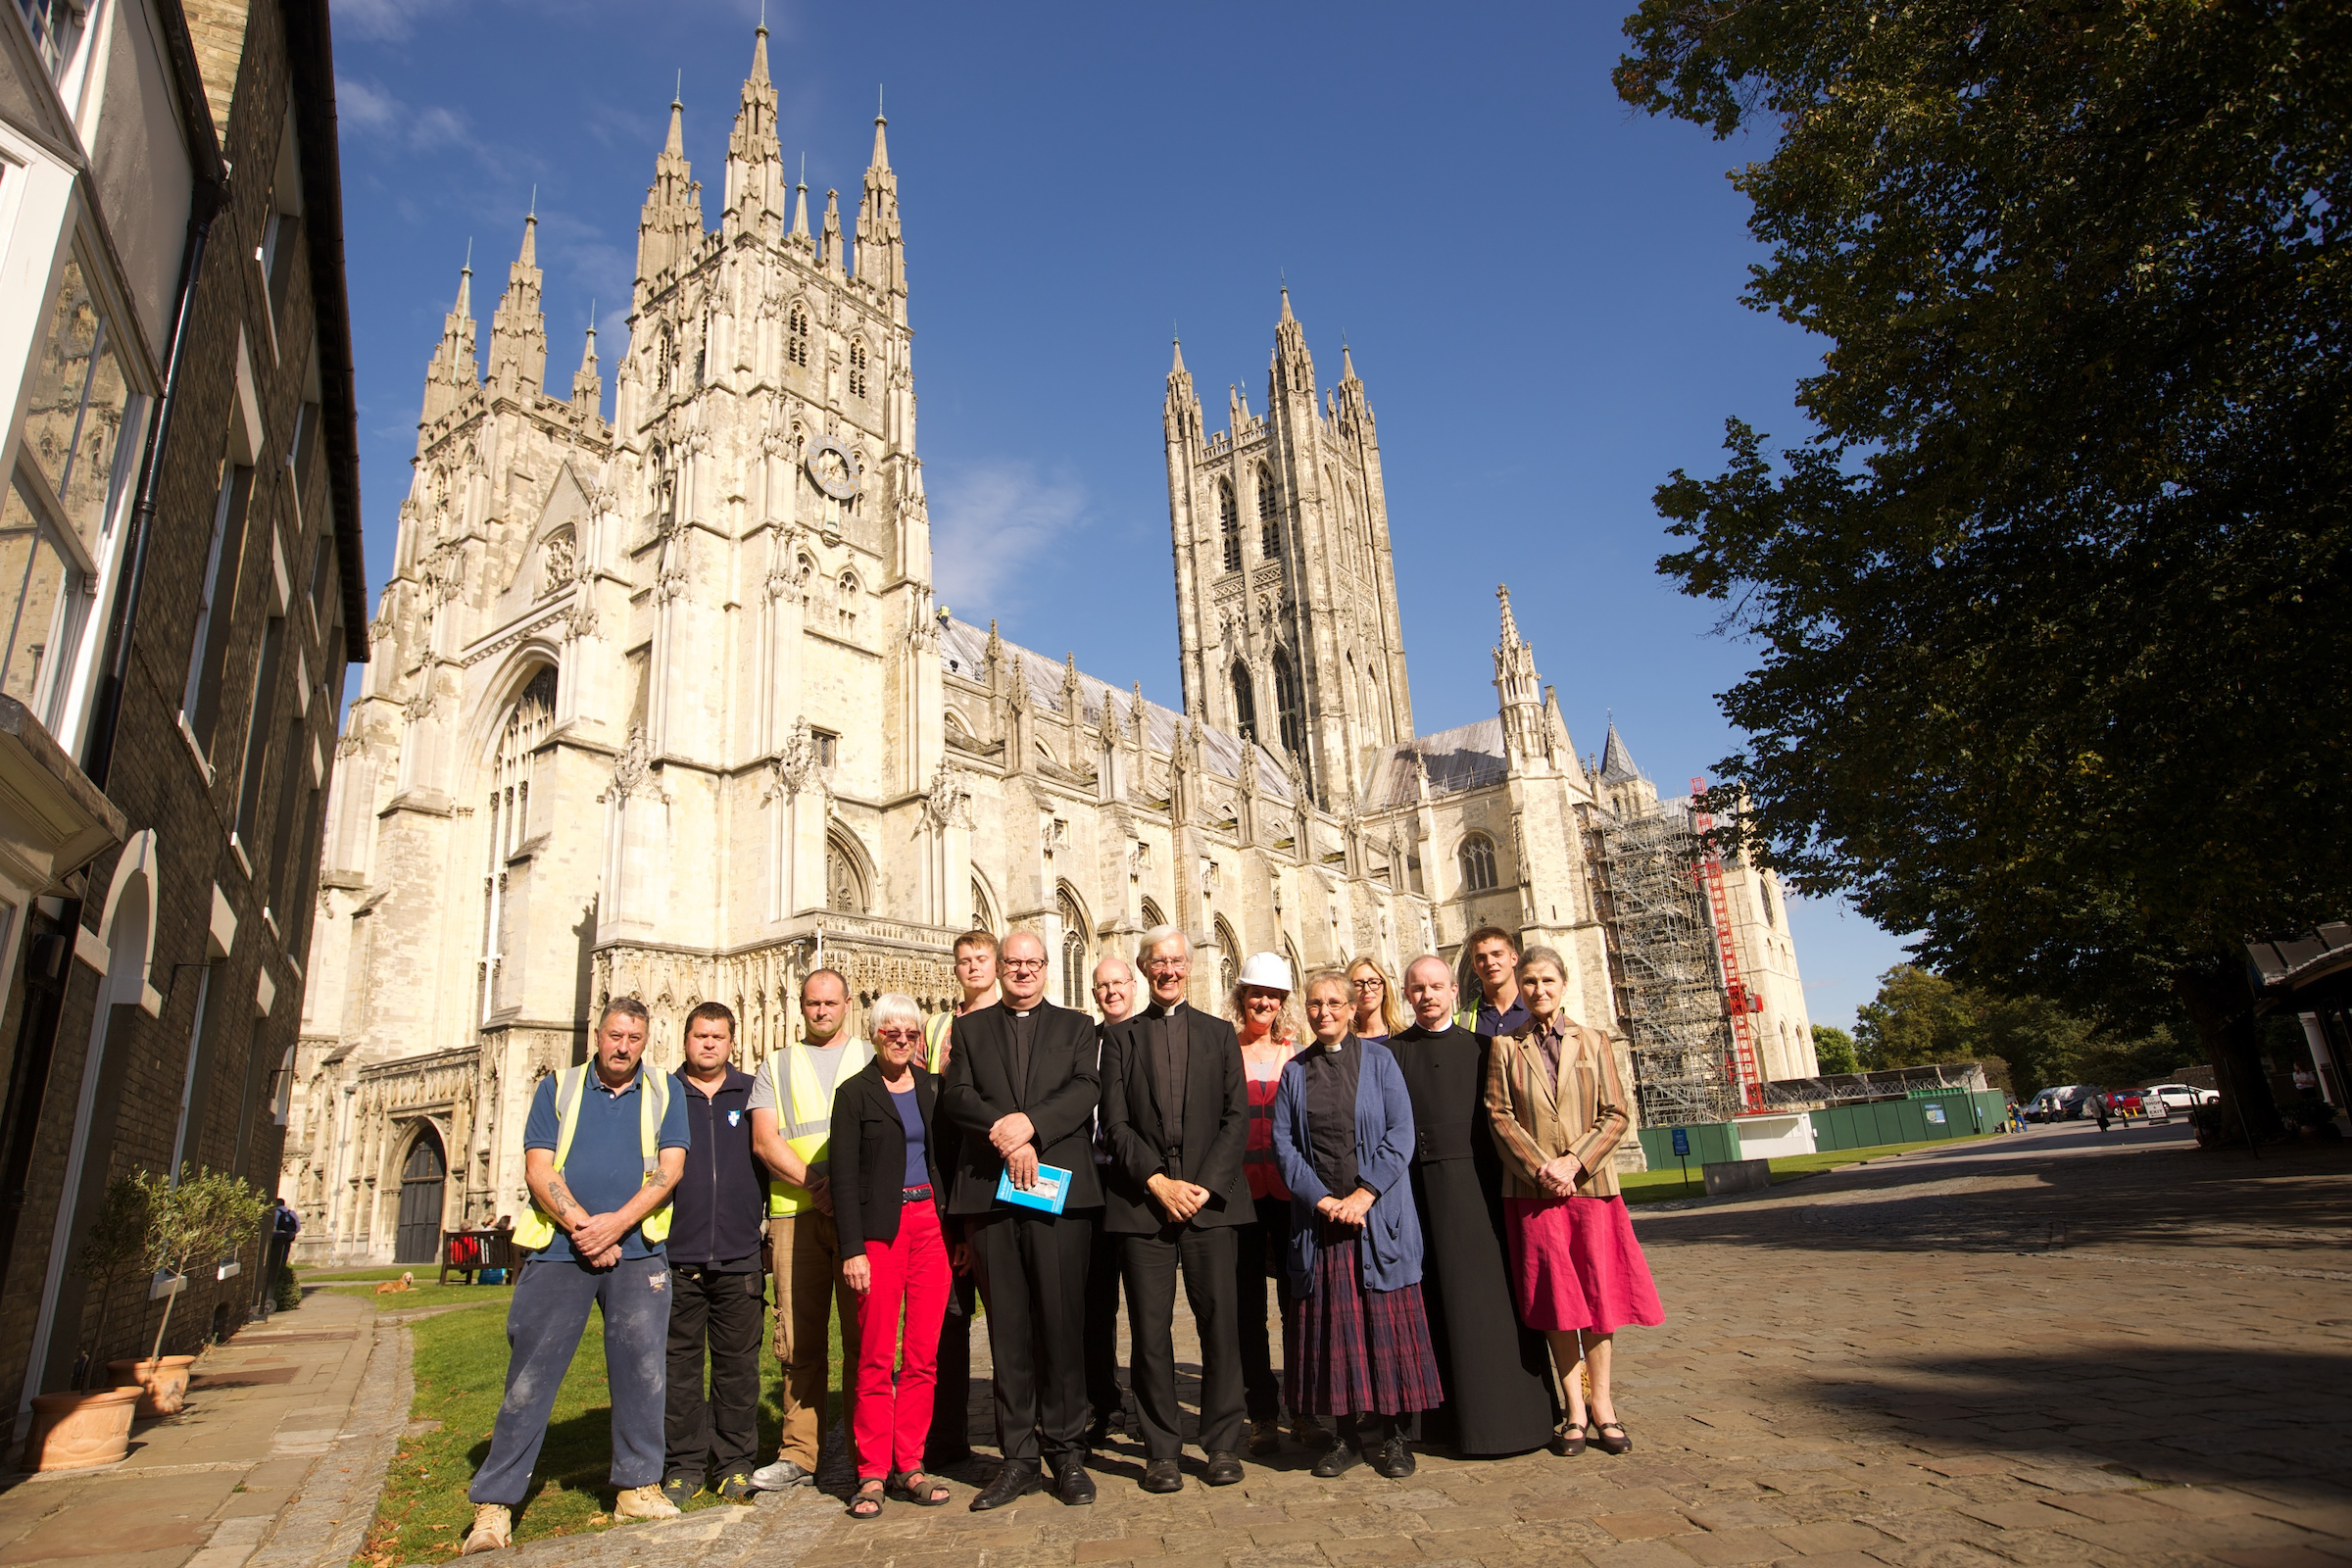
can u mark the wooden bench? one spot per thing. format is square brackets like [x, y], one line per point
[468, 1252]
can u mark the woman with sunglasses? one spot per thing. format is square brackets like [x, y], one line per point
[888, 1209]
[1379, 1013]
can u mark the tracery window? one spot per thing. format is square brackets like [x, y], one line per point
[796, 337]
[1290, 703]
[1075, 991]
[507, 820]
[845, 882]
[1477, 856]
[982, 919]
[1269, 515]
[1229, 960]
[1229, 524]
[1244, 703]
[856, 369]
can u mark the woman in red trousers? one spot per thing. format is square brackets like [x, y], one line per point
[888, 1209]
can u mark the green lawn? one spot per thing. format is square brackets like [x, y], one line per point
[461, 1370]
[1656, 1186]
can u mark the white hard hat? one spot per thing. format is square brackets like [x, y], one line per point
[1270, 970]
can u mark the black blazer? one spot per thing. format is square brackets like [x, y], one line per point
[869, 1156]
[1058, 1096]
[1216, 1125]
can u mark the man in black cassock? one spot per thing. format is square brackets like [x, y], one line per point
[1497, 1375]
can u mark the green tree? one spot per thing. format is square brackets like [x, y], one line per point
[201, 1219]
[2054, 603]
[1833, 1049]
[1918, 1019]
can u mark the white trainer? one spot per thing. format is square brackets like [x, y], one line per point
[643, 1502]
[493, 1528]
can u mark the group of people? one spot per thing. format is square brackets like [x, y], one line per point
[1431, 1191]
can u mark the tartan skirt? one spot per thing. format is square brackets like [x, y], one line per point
[1355, 1351]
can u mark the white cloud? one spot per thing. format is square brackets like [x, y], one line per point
[366, 107]
[382, 19]
[989, 522]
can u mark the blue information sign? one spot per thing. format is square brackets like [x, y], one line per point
[1682, 1141]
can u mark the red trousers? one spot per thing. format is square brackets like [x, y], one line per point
[911, 1274]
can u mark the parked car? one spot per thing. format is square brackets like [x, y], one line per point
[2127, 1102]
[2180, 1097]
[2060, 1103]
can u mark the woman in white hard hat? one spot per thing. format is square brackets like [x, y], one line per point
[1268, 1025]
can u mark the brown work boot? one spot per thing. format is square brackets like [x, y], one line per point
[493, 1528]
[643, 1502]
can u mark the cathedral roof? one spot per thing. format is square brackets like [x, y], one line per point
[964, 649]
[1457, 762]
[1616, 762]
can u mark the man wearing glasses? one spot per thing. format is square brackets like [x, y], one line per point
[1114, 998]
[1022, 1090]
[951, 1441]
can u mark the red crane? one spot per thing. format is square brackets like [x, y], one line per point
[1746, 1081]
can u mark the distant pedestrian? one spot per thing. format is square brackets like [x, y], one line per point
[284, 1226]
[603, 1147]
[2099, 1108]
[1558, 1107]
[890, 1212]
[719, 1288]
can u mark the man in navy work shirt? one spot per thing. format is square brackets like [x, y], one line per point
[1494, 960]
[717, 1286]
[603, 1151]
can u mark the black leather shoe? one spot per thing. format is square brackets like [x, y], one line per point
[1162, 1475]
[1395, 1459]
[1017, 1479]
[1224, 1469]
[1071, 1484]
[1337, 1457]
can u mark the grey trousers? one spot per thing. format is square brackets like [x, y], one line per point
[543, 1324]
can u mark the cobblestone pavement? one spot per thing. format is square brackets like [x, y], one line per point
[2048, 1348]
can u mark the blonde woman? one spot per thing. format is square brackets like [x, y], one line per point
[1266, 1020]
[1379, 1013]
[1557, 1106]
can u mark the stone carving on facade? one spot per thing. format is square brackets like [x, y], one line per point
[796, 764]
[634, 774]
[948, 803]
[558, 564]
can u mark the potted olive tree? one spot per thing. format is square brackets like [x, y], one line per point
[85, 1426]
[203, 1217]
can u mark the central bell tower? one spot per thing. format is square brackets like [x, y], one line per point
[1286, 594]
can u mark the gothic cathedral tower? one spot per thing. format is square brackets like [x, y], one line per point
[1286, 596]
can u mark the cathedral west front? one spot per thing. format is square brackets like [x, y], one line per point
[663, 705]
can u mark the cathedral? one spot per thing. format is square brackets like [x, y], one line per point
[664, 706]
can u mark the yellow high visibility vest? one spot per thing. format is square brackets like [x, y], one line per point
[537, 1228]
[935, 1042]
[809, 1100]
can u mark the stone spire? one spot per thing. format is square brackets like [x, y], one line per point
[1616, 762]
[1349, 405]
[1518, 690]
[828, 244]
[669, 226]
[517, 330]
[754, 190]
[800, 210]
[587, 386]
[881, 247]
[1183, 411]
[1294, 369]
[451, 372]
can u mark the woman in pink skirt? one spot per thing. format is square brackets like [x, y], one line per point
[1558, 1108]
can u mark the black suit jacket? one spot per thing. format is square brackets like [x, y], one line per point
[1216, 1124]
[868, 1172]
[1059, 1098]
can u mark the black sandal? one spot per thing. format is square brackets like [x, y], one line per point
[1566, 1446]
[865, 1504]
[932, 1494]
[1621, 1443]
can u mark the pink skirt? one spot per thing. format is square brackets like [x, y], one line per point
[1575, 1265]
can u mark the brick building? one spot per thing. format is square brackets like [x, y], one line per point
[181, 564]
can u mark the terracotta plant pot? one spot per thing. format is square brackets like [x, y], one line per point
[75, 1431]
[165, 1382]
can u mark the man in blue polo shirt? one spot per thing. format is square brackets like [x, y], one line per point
[603, 1150]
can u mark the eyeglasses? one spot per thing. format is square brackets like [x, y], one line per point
[1022, 966]
[1368, 982]
[897, 1034]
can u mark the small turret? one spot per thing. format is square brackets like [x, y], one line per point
[1183, 408]
[755, 190]
[451, 372]
[587, 386]
[881, 247]
[1518, 690]
[669, 226]
[518, 328]
[800, 211]
[1294, 369]
[828, 243]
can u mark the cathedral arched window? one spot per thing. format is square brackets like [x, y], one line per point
[1152, 915]
[844, 879]
[796, 336]
[1075, 991]
[1244, 703]
[508, 818]
[856, 369]
[1228, 523]
[1477, 856]
[1229, 960]
[1269, 515]
[984, 917]
[1289, 704]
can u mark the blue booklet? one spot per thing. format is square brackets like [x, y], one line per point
[1052, 1189]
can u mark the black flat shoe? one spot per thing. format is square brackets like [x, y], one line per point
[1161, 1476]
[1340, 1457]
[1569, 1441]
[1395, 1459]
[1224, 1469]
[1072, 1484]
[1018, 1479]
[1620, 1444]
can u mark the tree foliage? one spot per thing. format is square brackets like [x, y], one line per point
[204, 1217]
[2052, 607]
[1834, 1049]
[1921, 1018]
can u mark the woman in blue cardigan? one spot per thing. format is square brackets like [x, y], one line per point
[1343, 1138]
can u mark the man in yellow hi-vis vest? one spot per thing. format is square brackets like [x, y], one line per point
[790, 1109]
[949, 1442]
[603, 1150]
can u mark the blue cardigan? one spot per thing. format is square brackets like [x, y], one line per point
[1391, 1240]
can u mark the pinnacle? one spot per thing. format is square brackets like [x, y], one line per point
[675, 146]
[1510, 626]
[1178, 367]
[530, 236]
[1616, 761]
[760, 54]
[464, 309]
[1285, 304]
[881, 158]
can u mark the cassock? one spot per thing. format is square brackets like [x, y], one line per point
[1498, 1375]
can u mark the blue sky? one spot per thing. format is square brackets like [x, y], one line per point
[1539, 287]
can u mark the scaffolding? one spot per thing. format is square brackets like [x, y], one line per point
[1671, 990]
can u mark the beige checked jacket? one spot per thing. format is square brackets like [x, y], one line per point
[1537, 1121]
